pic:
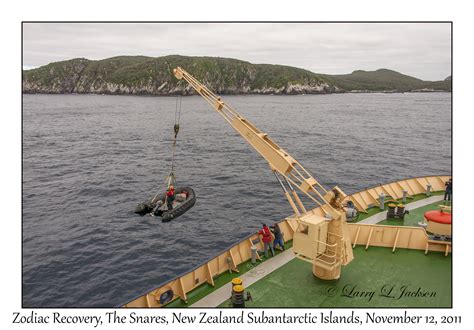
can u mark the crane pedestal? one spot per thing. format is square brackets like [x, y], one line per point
[325, 243]
[326, 272]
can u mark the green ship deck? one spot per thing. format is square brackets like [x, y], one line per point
[379, 278]
[396, 265]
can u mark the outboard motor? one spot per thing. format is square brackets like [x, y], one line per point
[143, 208]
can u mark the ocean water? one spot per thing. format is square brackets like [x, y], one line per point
[89, 159]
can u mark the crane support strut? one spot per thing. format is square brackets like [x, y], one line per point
[278, 159]
[322, 240]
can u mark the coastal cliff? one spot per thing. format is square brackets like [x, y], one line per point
[141, 75]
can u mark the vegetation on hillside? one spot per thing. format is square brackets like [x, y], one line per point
[153, 76]
[383, 80]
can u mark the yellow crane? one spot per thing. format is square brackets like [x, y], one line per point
[321, 239]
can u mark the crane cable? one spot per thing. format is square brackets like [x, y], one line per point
[171, 179]
[177, 117]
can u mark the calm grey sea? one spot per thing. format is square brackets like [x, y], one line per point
[89, 159]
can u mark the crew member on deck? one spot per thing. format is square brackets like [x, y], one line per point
[278, 237]
[267, 240]
[449, 189]
[170, 197]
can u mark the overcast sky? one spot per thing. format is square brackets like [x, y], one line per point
[422, 50]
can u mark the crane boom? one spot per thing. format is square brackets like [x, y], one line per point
[280, 162]
[323, 241]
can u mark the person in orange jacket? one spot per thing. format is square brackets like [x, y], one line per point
[170, 195]
[266, 239]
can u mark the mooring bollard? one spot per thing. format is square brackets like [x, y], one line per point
[391, 211]
[236, 281]
[400, 214]
[253, 252]
[238, 300]
[382, 201]
[428, 190]
[404, 198]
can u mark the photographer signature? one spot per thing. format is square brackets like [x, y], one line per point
[390, 291]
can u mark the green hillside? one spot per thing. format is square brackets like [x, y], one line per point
[142, 75]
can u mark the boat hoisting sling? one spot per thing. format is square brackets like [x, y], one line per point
[158, 205]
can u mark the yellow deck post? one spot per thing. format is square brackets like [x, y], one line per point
[396, 240]
[356, 237]
[368, 239]
[234, 265]
[183, 292]
[210, 280]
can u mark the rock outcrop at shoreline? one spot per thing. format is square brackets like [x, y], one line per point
[141, 75]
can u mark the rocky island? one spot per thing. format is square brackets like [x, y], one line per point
[142, 75]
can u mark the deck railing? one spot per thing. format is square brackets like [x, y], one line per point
[361, 234]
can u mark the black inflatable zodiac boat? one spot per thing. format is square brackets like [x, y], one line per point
[184, 200]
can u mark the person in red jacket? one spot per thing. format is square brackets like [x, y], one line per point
[170, 197]
[266, 239]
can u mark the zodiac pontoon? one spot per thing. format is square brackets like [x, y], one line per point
[184, 200]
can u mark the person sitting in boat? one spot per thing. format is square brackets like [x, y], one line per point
[170, 195]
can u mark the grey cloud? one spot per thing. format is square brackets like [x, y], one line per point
[422, 50]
